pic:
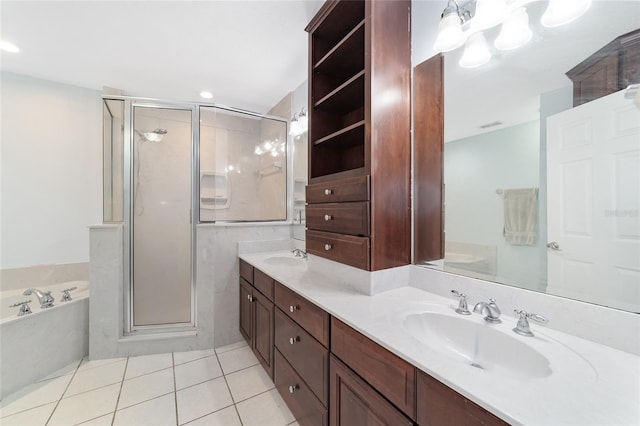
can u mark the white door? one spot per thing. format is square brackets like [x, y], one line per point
[593, 178]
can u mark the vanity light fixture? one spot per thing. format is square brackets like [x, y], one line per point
[461, 20]
[299, 123]
[8, 47]
[294, 126]
[205, 94]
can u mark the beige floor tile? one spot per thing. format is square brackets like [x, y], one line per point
[143, 388]
[85, 406]
[68, 369]
[156, 412]
[105, 420]
[197, 371]
[225, 417]
[34, 417]
[231, 347]
[202, 399]
[34, 395]
[237, 359]
[139, 365]
[96, 377]
[182, 357]
[248, 382]
[265, 409]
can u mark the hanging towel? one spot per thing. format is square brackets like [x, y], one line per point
[520, 216]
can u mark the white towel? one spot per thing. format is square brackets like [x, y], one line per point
[520, 216]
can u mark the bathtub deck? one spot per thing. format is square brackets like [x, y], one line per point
[226, 386]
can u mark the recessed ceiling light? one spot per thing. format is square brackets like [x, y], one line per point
[206, 95]
[8, 47]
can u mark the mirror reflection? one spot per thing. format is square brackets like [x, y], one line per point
[542, 189]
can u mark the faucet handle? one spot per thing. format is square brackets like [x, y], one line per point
[65, 294]
[522, 327]
[462, 308]
[494, 305]
[24, 307]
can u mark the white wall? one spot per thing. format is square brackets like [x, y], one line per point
[474, 168]
[51, 171]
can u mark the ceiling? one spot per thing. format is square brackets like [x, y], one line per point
[249, 54]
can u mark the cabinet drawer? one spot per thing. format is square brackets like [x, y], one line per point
[343, 218]
[390, 375]
[350, 189]
[303, 404]
[264, 283]
[345, 249]
[246, 271]
[438, 404]
[308, 357]
[354, 402]
[313, 319]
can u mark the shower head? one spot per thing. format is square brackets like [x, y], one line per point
[153, 136]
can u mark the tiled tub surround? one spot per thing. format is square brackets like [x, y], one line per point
[590, 383]
[34, 345]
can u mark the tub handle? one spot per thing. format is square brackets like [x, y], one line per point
[66, 296]
[24, 307]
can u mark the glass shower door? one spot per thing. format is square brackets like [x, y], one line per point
[161, 229]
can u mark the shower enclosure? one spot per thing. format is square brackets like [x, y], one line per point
[169, 167]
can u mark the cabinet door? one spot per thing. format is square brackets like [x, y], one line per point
[354, 402]
[263, 331]
[440, 405]
[246, 310]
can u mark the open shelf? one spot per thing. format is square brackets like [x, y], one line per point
[346, 97]
[346, 134]
[344, 17]
[347, 57]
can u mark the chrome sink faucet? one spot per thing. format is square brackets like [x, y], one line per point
[299, 253]
[45, 299]
[490, 311]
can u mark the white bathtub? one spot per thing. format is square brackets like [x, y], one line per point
[35, 345]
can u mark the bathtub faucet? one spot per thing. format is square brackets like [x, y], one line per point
[45, 299]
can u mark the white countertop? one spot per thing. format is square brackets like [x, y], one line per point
[590, 384]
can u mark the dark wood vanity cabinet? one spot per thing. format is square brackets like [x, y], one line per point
[610, 69]
[359, 133]
[302, 356]
[256, 313]
[439, 405]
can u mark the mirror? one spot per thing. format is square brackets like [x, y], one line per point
[300, 164]
[498, 158]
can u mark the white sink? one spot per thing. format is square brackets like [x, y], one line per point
[284, 261]
[470, 341]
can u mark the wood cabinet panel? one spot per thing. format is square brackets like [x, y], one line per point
[390, 375]
[349, 189]
[264, 283]
[246, 310]
[428, 162]
[440, 405]
[343, 218]
[263, 331]
[308, 357]
[312, 318]
[347, 249]
[246, 271]
[354, 402]
[304, 405]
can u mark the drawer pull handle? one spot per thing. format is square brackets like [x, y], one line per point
[328, 192]
[293, 308]
[293, 388]
[294, 340]
[327, 247]
[249, 298]
[327, 217]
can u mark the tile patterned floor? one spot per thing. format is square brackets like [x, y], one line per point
[222, 387]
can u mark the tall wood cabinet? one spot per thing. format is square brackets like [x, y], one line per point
[359, 209]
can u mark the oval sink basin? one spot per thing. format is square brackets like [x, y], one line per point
[284, 261]
[477, 344]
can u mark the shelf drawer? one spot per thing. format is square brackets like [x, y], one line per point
[308, 357]
[345, 249]
[304, 405]
[264, 283]
[246, 271]
[338, 191]
[390, 375]
[313, 319]
[343, 218]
